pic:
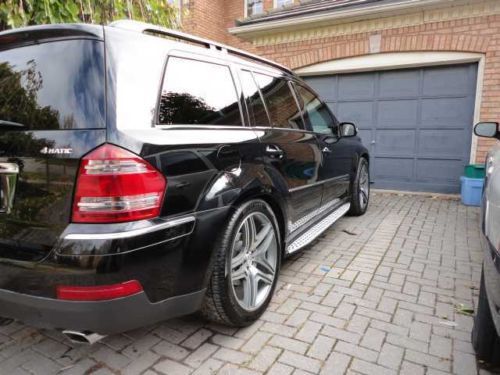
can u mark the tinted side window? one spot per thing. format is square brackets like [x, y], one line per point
[196, 92]
[54, 85]
[316, 114]
[280, 102]
[256, 109]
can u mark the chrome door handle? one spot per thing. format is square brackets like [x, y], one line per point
[326, 150]
[227, 151]
[274, 151]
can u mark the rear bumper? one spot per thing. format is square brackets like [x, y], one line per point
[103, 317]
[171, 259]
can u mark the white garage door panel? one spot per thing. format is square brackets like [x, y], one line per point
[416, 123]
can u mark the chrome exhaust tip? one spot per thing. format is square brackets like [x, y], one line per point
[82, 338]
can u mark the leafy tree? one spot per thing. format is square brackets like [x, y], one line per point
[17, 13]
[18, 98]
[178, 108]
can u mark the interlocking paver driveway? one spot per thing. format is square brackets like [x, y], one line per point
[374, 295]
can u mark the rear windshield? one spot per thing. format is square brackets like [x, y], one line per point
[54, 85]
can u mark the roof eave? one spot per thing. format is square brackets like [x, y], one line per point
[250, 31]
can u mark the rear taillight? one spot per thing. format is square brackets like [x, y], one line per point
[98, 293]
[115, 185]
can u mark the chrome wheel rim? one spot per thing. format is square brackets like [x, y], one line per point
[254, 256]
[364, 186]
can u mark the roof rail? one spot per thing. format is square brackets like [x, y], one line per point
[147, 28]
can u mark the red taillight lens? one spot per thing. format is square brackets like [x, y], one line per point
[115, 185]
[98, 293]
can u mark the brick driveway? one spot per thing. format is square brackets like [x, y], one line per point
[374, 295]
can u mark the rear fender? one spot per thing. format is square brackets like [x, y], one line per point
[234, 187]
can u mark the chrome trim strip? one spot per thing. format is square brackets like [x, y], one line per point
[311, 234]
[201, 127]
[130, 233]
[294, 226]
[318, 183]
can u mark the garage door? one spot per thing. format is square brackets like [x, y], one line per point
[417, 123]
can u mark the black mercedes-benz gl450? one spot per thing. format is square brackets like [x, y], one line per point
[147, 173]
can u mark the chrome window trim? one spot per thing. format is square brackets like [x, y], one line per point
[342, 177]
[206, 59]
[130, 233]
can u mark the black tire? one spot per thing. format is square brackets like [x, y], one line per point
[358, 207]
[485, 340]
[220, 304]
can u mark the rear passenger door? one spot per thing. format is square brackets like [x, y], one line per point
[287, 147]
[202, 137]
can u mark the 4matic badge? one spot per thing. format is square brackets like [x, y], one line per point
[50, 151]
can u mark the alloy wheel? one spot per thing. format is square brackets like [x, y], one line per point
[254, 256]
[364, 186]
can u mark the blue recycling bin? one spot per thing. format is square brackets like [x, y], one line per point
[472, 190]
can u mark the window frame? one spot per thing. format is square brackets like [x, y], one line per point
[60, 39]
[289, 81]
[206, 60]
[304, 86]
[242, 70]
[275, 4]
[245, 9]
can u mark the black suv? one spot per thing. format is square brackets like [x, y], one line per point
[146, 173]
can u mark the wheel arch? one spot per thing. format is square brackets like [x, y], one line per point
[277, 206]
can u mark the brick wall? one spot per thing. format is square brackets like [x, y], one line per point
[205, 18]
[474, 34]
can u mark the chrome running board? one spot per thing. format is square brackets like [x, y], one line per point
[294, 226]
[312, 233]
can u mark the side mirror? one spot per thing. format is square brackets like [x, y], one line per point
[348, 129]
[487, 129]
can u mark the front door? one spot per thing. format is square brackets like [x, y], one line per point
[336, 152]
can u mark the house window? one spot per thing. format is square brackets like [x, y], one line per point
[282, 3]
[253, 7]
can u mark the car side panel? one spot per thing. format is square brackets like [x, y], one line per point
[298, 164]
[491, 234]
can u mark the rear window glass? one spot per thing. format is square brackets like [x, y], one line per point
[55, 85]
[196, 92]
[280, 102]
